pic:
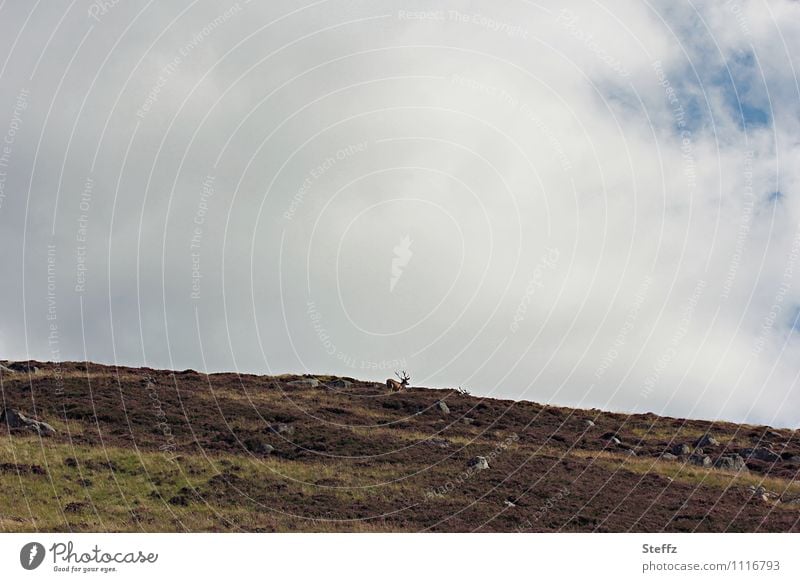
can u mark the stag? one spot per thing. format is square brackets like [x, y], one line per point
[396, 386]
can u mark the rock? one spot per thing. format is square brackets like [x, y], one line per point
[760, 492]
[15, 420]
[21, 367]
[732, 462]
[467, 420]
[442, 407]
[681, 450]
[436, 442]
[668, 457]
[707, 441]
[588, 423]
[339, 383]
[305, 383]
[700, 460]
[630, 452]
[478, 463]
[793, 501]
[282, 428]
[258, 446]
[509, 503]
[615, 440]
[762, 454]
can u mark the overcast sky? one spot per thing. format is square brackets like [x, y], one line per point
[594, 205]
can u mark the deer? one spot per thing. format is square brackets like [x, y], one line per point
[396, 386]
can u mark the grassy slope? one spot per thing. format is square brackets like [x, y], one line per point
[183, 454]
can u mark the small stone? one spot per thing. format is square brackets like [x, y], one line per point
[442, 407]
[668, 457]
[615, 440]
[588, 423]
[478, 463]
[437, 442]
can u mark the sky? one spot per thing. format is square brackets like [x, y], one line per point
[587, 204]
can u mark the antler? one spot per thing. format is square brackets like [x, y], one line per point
[404, 377]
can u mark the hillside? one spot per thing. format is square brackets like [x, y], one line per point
[137, 449]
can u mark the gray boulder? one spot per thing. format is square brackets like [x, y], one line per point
[762, 454]
[681, 450]
[339, 383]
[478, 463]
[700, 460]
[442, 407]
[588, 423]
[707, 441]
[16, 421]
[733, 462]
[258, 446]
[615, 440]
[668, 457]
